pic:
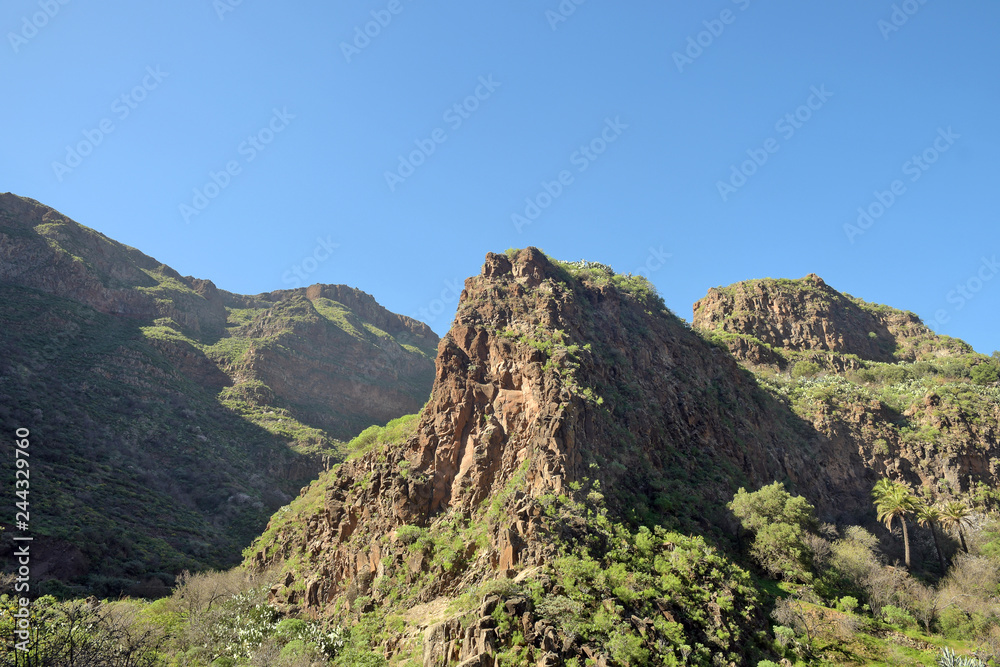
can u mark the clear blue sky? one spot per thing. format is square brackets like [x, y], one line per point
[309, 128]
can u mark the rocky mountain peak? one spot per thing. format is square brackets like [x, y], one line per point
[762, 321]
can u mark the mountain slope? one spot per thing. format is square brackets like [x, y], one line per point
[918, 407]
[170, 418]
[569, 410]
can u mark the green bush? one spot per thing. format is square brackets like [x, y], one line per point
[409, 534]
[848, 604]
[780, 523]
[985, 373]
[956, 623]
[805, 369]
[900, 618]
[291, 628]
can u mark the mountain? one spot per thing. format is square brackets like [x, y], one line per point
[170, 418]
[559, 496]
[916, 406]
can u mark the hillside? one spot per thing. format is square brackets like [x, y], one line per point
[917, 406]
[577, 426]
[170, 418]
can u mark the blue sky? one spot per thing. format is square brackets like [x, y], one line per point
[267, 145]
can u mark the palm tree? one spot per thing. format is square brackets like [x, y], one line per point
[893, 500]
[928, 515]
[955, 516]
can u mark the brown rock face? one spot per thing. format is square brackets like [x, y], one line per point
[550, 380]
[544, 382]
[803, 316]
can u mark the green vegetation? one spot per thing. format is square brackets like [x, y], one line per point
[893, 500]
[159, 446]
[395, 431]
[213, 618]
[780, 523]
[846, 606]
[608, 573]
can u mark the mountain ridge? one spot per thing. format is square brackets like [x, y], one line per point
[220, 406]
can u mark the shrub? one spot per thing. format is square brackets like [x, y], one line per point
[409, 534]
[985, 373]
[900, 618]
[847, 604]
[805, 368]
[779, 522]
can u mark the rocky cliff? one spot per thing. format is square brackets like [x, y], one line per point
[566, 392]
[914, 404]
[770, 322]
[171, 417]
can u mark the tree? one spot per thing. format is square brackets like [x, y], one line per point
[928, 515]
[955, 516]
[780, 522]
[893, 500]
[985, 373]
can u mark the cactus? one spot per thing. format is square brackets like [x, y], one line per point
[949, 658]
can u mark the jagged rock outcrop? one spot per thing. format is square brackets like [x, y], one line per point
[555, 376]
[920, 420]
[760, 319]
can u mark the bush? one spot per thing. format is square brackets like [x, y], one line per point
[985, 373]
[805, 369]
[899, 618]
[779, 522]
[409, 534]
[847, 604]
